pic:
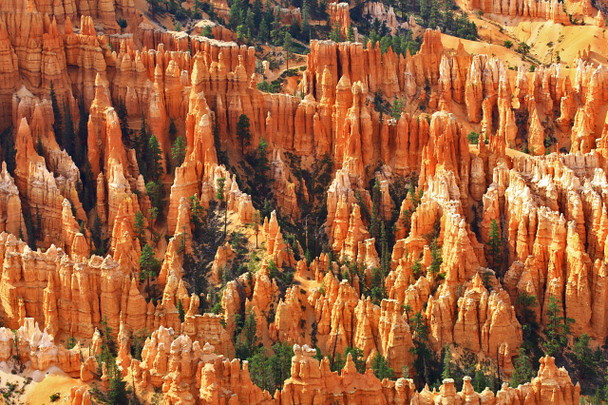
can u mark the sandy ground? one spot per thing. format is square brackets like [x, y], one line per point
[33, 387]
[40, 393]
[546, 39]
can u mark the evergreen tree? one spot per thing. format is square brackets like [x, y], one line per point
[260, 370]
[587, 361]
[247, 339]
[495, 245]
[436, 259]
[423, 355]
[524, 304]
[357, 356]
[121, 111]
[154, 163]
[117, 388]
[243, 131]
[306, 20]
[350, 34]
[448, 368]
[156, 193]
[523, 369]
[178, 151]
[250, 21]
[336, 33]
[480, 381]
[149, 265]
[141, 146]
[557, 329]
[280, 363]
[139, 225]
[384, 252]
[381, 368]
[264, 33]
[257, 13]
[236, 14]
[196, 215]
[180, 311]
[259, 183]
[207, 32]
[377, 291]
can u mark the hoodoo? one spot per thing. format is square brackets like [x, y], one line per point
[303, 202]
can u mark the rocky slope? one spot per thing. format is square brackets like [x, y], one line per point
[78, 213]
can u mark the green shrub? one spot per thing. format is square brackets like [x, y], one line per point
[473, 138]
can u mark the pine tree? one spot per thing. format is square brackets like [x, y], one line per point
[381, 368]
[260, 370]
[141, 146]
[524, 304]
[358, 358]
[423, 355]
[207, 32]
[139, 225]
[385, 253]
[264, 32]
[495, 245]
[480, 381]
[247, 340]
[287, 47]
[257, 13]
[243, 131]
[436, 259]
[180, 311]
[121, 111]
[260, 182]
[557, 329]
[336, 33]
[350, 34]
[156, 193]
[236, 14]
[306, 19]
[154, 160]
[149, 265]
[523, 369]
[377, 290]
[117, 388]
[178, 151]
[280, 363]
[448, 368]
